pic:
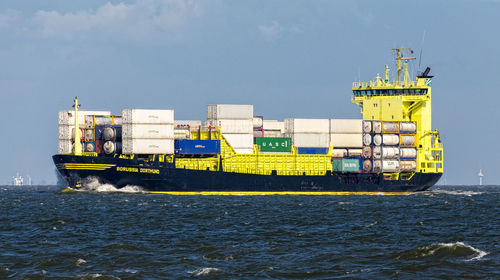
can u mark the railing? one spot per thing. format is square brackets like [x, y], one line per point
[392, 84]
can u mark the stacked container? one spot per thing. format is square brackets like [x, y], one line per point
[273, 128]
[346, 136]
[66, 128]
[386, 148]
[235, 122]
[102, 128]
[311, 136]
[408, 151]
[148, 131]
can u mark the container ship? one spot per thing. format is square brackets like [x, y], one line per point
[391, 149]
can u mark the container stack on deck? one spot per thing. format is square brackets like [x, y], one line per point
[103, 134]
[311, 136]
[346, 137]
[235, 122]
[273, 128]
[66, 125]
[148, 131]
[389, 146]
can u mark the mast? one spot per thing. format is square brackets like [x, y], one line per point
[78, 135]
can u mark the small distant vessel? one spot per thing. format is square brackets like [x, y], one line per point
[17, 180]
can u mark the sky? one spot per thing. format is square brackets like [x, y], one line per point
[289, 58]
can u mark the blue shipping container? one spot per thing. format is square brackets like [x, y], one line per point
[198, 147]
[313, 151]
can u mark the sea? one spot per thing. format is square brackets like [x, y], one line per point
[449, 232]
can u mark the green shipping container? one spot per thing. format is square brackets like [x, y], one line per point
[346, 165]
[273, 144]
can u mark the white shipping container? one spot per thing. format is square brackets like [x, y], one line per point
[67, 132]
[346, 126]
[229, 111]
[148, 131]
[310, 140]
[67, 117]
[147, 116]
[148, 146]
[390, 166]
[191, 124]
[347, 140]
[239, 140]
[339, 153]
[273, 133]
[307, 126]
[274, 125]
[232, 126]
[66, 146]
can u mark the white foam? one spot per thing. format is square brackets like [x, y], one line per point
[439, 191]
[478, 254]
[92, 184]
[204, 271]
[80, 262]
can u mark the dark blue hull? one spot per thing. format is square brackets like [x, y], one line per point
[164, 177]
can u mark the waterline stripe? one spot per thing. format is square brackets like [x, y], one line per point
[277, 193]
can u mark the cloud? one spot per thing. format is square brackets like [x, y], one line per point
[274, 30]
[138, 19]
[271, 31]
[8, 17]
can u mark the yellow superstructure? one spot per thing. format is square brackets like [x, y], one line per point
[404, 100]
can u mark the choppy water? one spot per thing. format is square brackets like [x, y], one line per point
[450, 233]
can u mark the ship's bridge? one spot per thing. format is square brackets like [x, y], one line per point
[403, 100]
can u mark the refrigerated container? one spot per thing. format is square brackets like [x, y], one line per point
[148, 146]
[294, 126]
[345, 126]
[147, 116]
[229, 111]
[347, 140]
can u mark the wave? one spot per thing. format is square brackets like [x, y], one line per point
[438, 191]
[457, 250]
[204, 271]
[92, 184]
